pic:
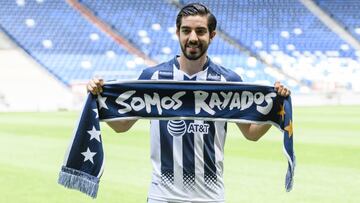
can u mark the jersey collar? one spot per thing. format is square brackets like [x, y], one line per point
[177, 65]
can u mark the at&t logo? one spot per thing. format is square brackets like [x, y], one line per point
[178, 128]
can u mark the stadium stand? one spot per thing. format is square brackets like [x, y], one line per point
[287, 35]
[65, 43]
[345, 13]
[275, 25]
[154, 34]
[72, 49]
[25, 86]
[280, 34]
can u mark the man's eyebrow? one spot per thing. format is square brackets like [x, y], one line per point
[197, 28]
[201, 28]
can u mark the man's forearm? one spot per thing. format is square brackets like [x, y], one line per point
[253, 132]
[121, 126]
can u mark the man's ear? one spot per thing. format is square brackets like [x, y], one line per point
[178, 32]
[212, 35]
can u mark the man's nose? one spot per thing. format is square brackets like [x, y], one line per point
[193, 36]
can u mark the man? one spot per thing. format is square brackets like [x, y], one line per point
[189, 167]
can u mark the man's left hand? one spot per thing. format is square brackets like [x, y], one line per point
[281, 89]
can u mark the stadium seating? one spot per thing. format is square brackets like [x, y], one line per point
[275, 25]
[154, 34]
[286, 34]
[282, 33]
[345, 13]
[72, 49]
[65, 43]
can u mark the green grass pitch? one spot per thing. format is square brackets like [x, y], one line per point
[327, 146]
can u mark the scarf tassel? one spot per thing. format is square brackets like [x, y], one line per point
[75, 179]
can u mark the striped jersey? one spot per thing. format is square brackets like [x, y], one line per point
[187, 155]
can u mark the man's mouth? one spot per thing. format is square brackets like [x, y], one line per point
[193, 47]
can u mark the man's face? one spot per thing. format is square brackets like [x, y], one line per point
[194, 36]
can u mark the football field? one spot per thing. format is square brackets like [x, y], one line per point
[326, 143]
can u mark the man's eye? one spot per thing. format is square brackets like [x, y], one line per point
[201, 31]
[186, 31]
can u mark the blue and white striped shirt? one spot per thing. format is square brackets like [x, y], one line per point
[187, 155]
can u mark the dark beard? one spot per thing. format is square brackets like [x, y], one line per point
[193, 57]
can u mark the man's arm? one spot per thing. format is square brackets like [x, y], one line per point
[121, 126]
[95, 87]
[253, 131]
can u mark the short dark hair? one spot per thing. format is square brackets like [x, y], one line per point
[194, 9]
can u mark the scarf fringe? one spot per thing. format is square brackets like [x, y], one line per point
[78, 180]
[289, 178]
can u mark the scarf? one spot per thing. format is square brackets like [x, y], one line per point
[170, 100]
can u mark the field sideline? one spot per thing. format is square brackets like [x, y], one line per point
[327, 146]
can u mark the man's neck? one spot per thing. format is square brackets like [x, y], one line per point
[192, 67]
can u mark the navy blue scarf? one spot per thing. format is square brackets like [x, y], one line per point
[215, 101]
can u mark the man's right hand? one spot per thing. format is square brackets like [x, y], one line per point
[95, 86]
